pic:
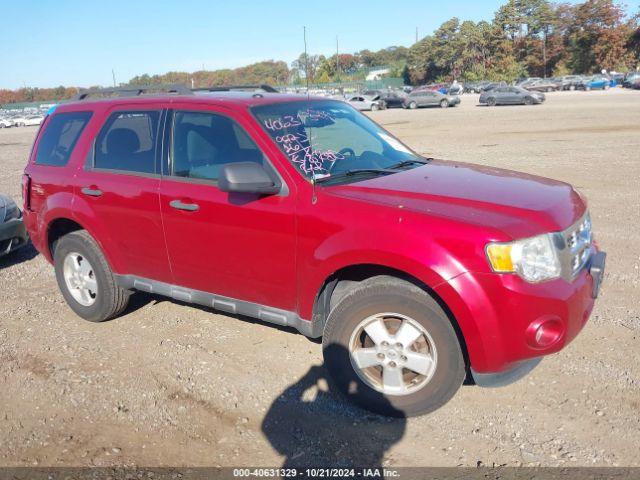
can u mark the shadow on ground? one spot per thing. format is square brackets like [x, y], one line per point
[312, 425]
[24, 254]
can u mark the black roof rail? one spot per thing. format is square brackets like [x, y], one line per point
[238, 88]
[134, 91]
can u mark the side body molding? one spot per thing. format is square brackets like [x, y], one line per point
[265, 313]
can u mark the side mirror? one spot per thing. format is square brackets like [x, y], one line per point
[246, 177]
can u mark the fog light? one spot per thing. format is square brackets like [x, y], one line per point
[544, 332]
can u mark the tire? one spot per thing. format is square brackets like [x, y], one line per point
[375, 107]
[399, 301]
[413, 105]
[572, 88]
[491, 101]
[587, 88]
[444, 103]
[607, 86]
[528, 101]
[109, 300]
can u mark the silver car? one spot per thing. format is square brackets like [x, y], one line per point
[430, 98]
[511, 96]
[363, 102]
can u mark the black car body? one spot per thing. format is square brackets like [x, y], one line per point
[12, 232]
[387, 98]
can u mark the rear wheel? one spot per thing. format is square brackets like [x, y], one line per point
[444, 103]
[375, 107]
[390, 348]
[572, 87]
[85, 278]
[491, 101]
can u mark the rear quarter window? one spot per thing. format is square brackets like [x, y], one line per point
[60, 137]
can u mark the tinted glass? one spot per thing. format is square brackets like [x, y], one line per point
[60, 137]
[204, 142]
[128, 142]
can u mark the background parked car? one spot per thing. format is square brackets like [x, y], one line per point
[362, 102]
[570, 82]
[631, 80]
[511, 96]
[491, 85]
[542, 85]
[429, 98]
[6, 123]
[386, 98]
[456, 89]
[595, 82]
[12, 232]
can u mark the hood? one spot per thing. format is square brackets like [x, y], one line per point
[517, 204]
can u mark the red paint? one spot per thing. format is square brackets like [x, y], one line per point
[431, 222]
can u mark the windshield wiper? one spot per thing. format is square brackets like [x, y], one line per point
[357, 171]
[414, 161]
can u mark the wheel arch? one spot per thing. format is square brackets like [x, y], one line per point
[341, 281]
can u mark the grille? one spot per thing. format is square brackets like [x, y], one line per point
[577, 246]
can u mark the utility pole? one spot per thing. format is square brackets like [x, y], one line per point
[544, 54]
[337, 61]
[113, 75]
[416, 34]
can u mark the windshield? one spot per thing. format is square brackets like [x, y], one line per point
[330, 140]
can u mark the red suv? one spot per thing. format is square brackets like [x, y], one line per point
[417, 273]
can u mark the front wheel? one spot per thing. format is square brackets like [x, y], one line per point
[413, 105]
[375, 107]
[528, 101]
[390, 348]
[491, 102]
[572, 88]
[85, 278]
[444, 103]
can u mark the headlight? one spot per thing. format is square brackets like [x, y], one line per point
[534, 259]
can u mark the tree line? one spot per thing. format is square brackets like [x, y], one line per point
[525, 38]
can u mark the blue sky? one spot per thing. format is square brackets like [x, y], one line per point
[47, 43]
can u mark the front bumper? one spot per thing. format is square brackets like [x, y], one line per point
[13, 235]
[499, 314]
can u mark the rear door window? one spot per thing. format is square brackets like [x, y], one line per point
[128, 142]
[60, 137]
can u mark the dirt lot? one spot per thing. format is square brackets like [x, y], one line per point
[171, 384]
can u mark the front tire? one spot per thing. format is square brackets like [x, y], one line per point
[85, 278]
[391, 349]
[528, 101]
[375, 107]
[444, 103]
[491, 102]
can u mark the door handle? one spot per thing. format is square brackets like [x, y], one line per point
[179, 205]
[92, 191]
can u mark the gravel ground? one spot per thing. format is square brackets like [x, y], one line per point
[173, 384]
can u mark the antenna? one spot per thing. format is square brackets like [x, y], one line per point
[113, 74]
[314, 199]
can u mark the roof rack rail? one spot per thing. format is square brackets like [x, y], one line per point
[134, 91]
[238, 88]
